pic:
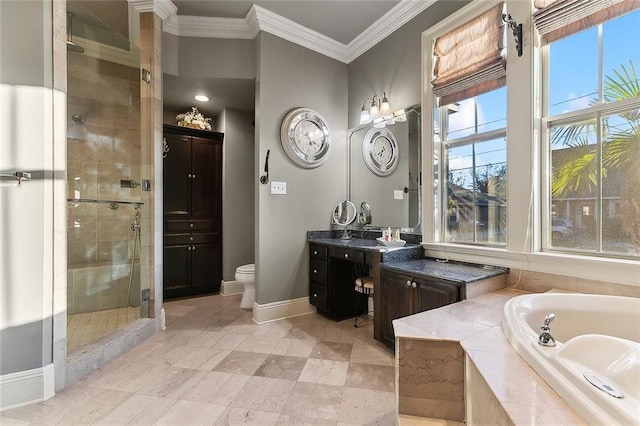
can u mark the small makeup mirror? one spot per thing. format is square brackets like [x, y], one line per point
[344, 213]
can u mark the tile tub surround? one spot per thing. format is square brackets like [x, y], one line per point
[214, 365]
[500, 386]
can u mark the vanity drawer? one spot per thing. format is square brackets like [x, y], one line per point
[347, 254]
[318, 296]
[190, 225]
[318, 271]
[318, 252]
[185, 239]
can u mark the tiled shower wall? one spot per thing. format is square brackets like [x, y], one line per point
[101, 151]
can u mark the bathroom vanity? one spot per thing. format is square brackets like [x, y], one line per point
[414, 286]
[404, 282]
[334, 264]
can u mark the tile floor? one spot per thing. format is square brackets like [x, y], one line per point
[213, 365]
[91, 326]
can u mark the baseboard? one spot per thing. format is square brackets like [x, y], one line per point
[280, 310]
[229, 288]
[26, 387]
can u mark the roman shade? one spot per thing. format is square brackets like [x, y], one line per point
[556, 19]
[469, 60]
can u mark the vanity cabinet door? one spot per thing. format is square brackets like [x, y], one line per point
[404, 295]
[176, 176]
[434, 294]
[206, 266]
[176, 268]
[397, 302]
[206, 180]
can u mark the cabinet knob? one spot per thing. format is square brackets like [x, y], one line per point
[193, 176]
[408, 283]
[189, 175]
[414, 285]
[190, 238]
[315, 271]
[346, 255]
[315, 252]
[315, 294]
[189, 248]
[191, 225]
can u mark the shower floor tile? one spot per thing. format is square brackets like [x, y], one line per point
[88, 327]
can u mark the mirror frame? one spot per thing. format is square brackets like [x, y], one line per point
[338, 211]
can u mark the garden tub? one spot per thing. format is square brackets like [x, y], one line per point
[595, 364]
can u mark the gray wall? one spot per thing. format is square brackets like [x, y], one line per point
[290, 76]
[26, 279]
[238, 239]
[207, 57]
[234, 59]
[394, 64]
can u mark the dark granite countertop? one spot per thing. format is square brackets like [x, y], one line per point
[366, 241]
[358, 243]
[451, 271]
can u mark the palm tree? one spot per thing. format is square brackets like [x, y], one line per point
[620, 151]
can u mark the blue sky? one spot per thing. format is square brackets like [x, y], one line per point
[574, 61]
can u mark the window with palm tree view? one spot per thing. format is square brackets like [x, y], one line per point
[592, 133]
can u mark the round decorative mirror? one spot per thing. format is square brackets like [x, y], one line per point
[344, 213]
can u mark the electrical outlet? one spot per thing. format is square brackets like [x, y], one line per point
[278, 187]
[398, 194]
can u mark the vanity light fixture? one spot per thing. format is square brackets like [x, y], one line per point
[377, 110]
[202, 98]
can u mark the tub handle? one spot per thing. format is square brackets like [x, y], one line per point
[548, 319]
[545, 338]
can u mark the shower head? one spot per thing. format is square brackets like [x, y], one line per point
[71, 46]
[78, 119]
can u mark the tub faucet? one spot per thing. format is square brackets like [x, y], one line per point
[545, 338]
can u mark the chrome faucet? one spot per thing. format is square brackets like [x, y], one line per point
[545, 338]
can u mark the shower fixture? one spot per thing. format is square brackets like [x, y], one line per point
[71, 46]
[77, 119]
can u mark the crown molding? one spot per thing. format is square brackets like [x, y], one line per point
[292, 31]
[399, 15]
[260, 19]
[198, 26]
[163, 8]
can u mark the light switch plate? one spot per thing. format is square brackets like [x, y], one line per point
[398, 194]
[279, 188]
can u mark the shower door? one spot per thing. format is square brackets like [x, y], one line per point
[106, 203]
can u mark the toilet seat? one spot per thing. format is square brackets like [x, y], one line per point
[246, 269]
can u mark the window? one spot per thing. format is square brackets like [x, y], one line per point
[474, 149]
[592, 133]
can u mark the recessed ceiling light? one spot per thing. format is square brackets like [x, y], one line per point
[202, 98]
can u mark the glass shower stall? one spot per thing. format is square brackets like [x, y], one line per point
[108, 157]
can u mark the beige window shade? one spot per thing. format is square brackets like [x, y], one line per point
[556, 19]
[469, 60]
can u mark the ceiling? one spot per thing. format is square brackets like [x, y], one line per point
[339, 20]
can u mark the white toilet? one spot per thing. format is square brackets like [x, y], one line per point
[246, 274]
